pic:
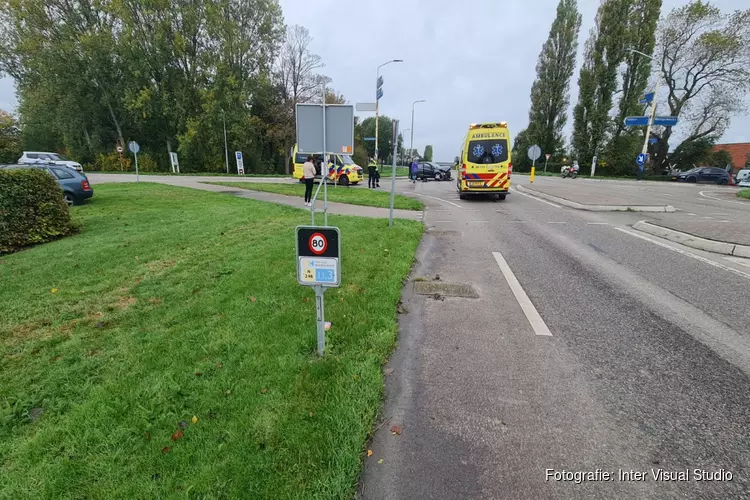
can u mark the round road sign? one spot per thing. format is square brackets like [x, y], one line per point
[534, 152]
[119, 149]
[318, 244]
[134, 147]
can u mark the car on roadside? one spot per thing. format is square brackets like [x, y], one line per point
[41, 157]
[742, 175]
[710, 175]
[75, 185]
[745, 182]
[431, 170]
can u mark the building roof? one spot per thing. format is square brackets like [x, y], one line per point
[739, 151]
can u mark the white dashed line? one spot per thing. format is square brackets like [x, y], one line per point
[439, 199]
[443, 221]
[557, 223]
[683, 252]
[535, 320]
[535, 198]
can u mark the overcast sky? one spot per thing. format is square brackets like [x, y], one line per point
[472, 62]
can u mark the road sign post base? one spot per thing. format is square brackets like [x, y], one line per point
[320, 316]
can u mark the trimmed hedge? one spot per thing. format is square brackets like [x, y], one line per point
[32, 209]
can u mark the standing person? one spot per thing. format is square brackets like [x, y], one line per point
[414, 168]
[308, 173]
[372, 172]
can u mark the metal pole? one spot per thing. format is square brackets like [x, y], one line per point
[136, 167]
[546, 159]
[320, 313]
[393, 173]
[324, 166]
[411, 142]
[377, 111]
[226, 149]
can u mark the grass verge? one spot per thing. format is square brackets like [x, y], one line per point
[189, 174]
[354, 196]
[744, 193]
[175, 303]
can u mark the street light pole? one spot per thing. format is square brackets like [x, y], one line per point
[377, 102]
[226, 150]
[403, 149]
[653, 105]
[411, 144]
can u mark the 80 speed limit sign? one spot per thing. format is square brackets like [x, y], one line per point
[318, 244]
[318, 256]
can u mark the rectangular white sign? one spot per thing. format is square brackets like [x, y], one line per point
[175, 163]
[318, 271]
[240, 162]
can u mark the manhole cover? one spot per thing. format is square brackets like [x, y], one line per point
[445, 289]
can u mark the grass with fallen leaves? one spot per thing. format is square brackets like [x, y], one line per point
[744, 193]
[360, 195]
[168, 351]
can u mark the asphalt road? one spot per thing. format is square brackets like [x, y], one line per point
[647, 365]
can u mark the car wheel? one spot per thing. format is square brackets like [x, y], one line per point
[501, 197]
[344, 180]
[69, 198]
[691, 180]
[438, 176]
[723, 182]
[461, 196]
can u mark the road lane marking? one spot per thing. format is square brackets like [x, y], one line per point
[557, 223]
[535, 198]
[738, 260]
[721, 215]
[443, 221]
[444, 210]
[439, 199]
[471, 210]
[719, 199]
[683, 252]
[532, 315]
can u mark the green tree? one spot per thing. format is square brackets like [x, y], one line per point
[427, 156]
[385, 128]
[721, 159]
[704, 57]
[10, 138]
[604, 52]
[550, 91]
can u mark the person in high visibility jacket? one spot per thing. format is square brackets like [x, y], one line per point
[372, 174]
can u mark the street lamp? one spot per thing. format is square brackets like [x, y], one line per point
[403, 149]
[411, 145]
[377, 101]
[226, 150]
[653, 106]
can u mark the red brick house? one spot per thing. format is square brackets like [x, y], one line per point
[740, 152]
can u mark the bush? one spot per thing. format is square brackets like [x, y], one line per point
[111, 162]
[32, 209]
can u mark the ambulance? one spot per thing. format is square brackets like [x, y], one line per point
[344, 171]
[484, 165]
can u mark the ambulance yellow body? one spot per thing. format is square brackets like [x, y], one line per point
[343, 171]
[484, 165]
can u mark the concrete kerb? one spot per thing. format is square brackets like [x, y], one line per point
[597, 208]
[692, 241]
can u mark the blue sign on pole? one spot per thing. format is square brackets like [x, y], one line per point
[369, 139]
[665, 121]
[647, 98]
[379, 94]
[636, 121]
[238, 155]
[380, 82]
[641, 159]
[653, 140]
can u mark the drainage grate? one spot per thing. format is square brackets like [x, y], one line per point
[445, 289]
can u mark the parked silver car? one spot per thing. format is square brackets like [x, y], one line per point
[40, 157]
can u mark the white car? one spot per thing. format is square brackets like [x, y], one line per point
[37, 157]
[743, 176]
[745, 182]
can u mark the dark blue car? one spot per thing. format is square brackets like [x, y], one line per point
[710, 175]
[76, 187]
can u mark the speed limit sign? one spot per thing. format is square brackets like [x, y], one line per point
[318, 244]
[318, 256]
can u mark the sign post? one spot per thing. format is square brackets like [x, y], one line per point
[134, 148]
[534, 153]
[393, 172]
[546, 159]
[593, 166]
[119, 152]
[240, 163]
[174, 161]
[319, 266]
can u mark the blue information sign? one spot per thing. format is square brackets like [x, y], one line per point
[641, 159]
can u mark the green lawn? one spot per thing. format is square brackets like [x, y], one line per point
[189, 174]
[744, 193]
[387, 171]
[353, 195]
[173, 303]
